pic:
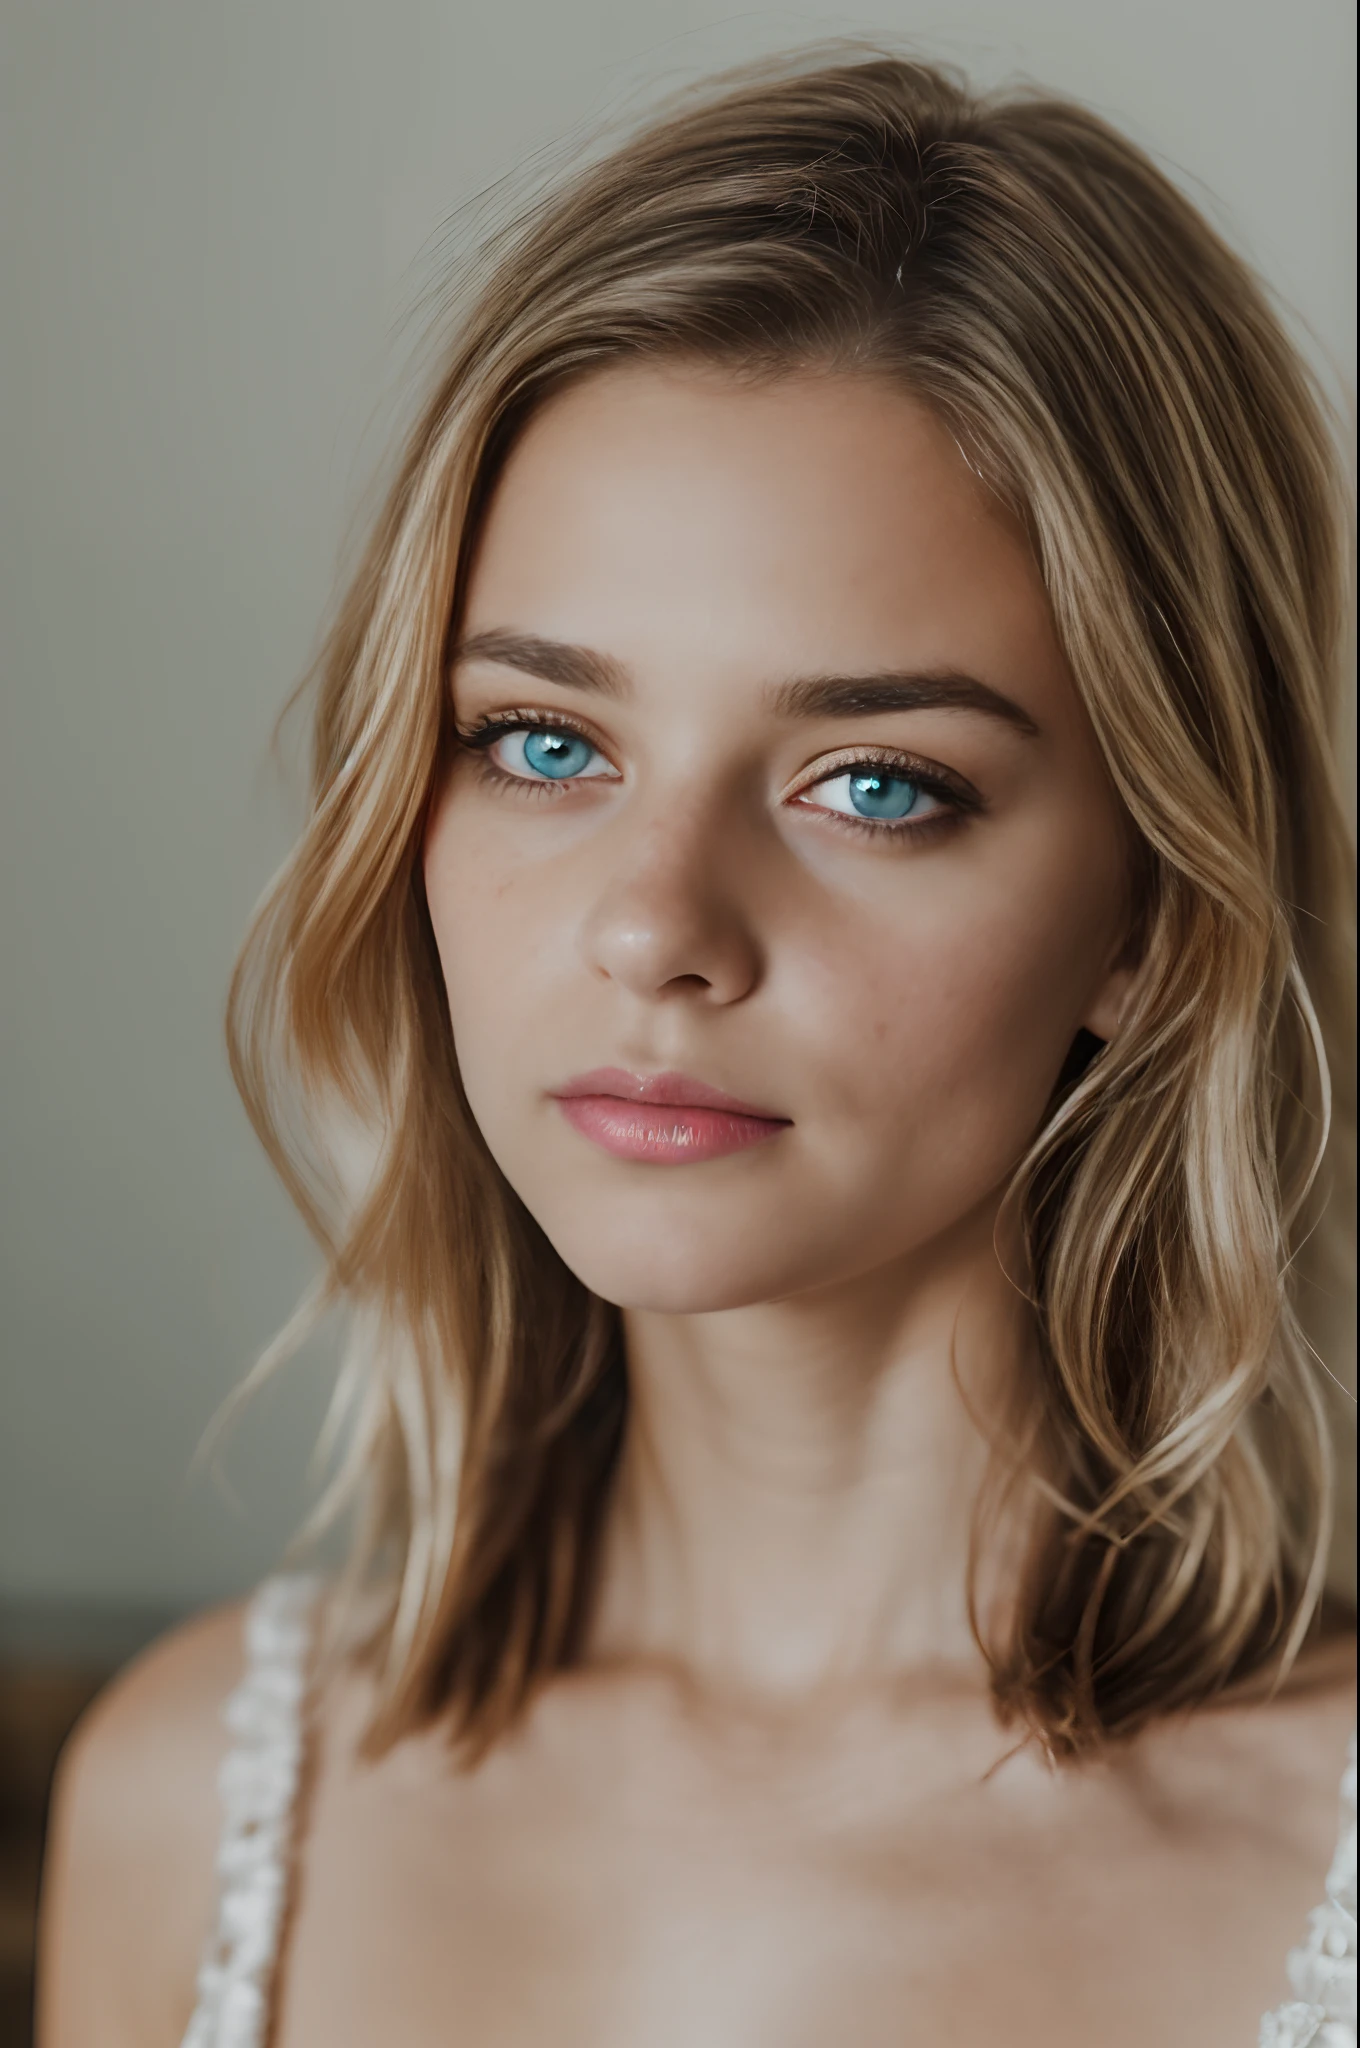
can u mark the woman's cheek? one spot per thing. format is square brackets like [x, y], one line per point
[960, 1033]
[508, 958]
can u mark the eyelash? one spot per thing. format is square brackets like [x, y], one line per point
[480, 738]
[958, 799]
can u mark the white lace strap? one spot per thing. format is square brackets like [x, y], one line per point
[259, 1786]
[1322, 1969]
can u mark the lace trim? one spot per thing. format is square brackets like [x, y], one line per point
[1322, 1969]
[259, 1785]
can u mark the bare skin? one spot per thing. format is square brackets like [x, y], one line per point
[774, 1805]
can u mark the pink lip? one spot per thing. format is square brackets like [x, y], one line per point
[663, 1118]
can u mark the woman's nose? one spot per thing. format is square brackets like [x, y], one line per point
[669, 920]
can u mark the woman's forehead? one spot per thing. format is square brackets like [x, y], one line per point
[773, 476]
[671, 517]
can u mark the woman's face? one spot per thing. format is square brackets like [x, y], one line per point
[779, 794]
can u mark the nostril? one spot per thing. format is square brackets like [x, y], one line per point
[686, 984]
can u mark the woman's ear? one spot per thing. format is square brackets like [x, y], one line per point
[1115, 994]
[1106, 1013]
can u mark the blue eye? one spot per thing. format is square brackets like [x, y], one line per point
[548, 753]
[879, 794]
[883, 796]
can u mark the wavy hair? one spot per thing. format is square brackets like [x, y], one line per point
[1118, 377]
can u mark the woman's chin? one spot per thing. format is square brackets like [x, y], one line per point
[703, 1276]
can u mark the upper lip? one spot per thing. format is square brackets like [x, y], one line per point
[676, 1091]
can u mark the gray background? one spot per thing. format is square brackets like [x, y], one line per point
[220, 221]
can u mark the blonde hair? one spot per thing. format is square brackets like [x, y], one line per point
[1115, 373]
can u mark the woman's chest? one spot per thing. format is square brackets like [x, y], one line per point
[659, 1906]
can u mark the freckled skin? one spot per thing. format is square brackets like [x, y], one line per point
[908, 1007]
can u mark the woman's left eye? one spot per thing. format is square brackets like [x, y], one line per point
[877, 794]
[547, 754]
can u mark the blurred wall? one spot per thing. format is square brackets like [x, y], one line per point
[220, 219]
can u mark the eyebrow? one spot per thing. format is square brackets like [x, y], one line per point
[552, 661]
[910, 690]
[581, 668]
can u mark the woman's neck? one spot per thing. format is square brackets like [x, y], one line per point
[794, 1504]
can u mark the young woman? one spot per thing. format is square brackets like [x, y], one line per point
[825, 902]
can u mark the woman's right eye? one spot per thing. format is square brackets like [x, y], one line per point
[545, 753]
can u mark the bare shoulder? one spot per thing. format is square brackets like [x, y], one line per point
[128, 1890]
[1298, 1738]
[1271, 1767]
[1307, 1731]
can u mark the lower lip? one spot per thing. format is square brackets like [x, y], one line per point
[664, 1133]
